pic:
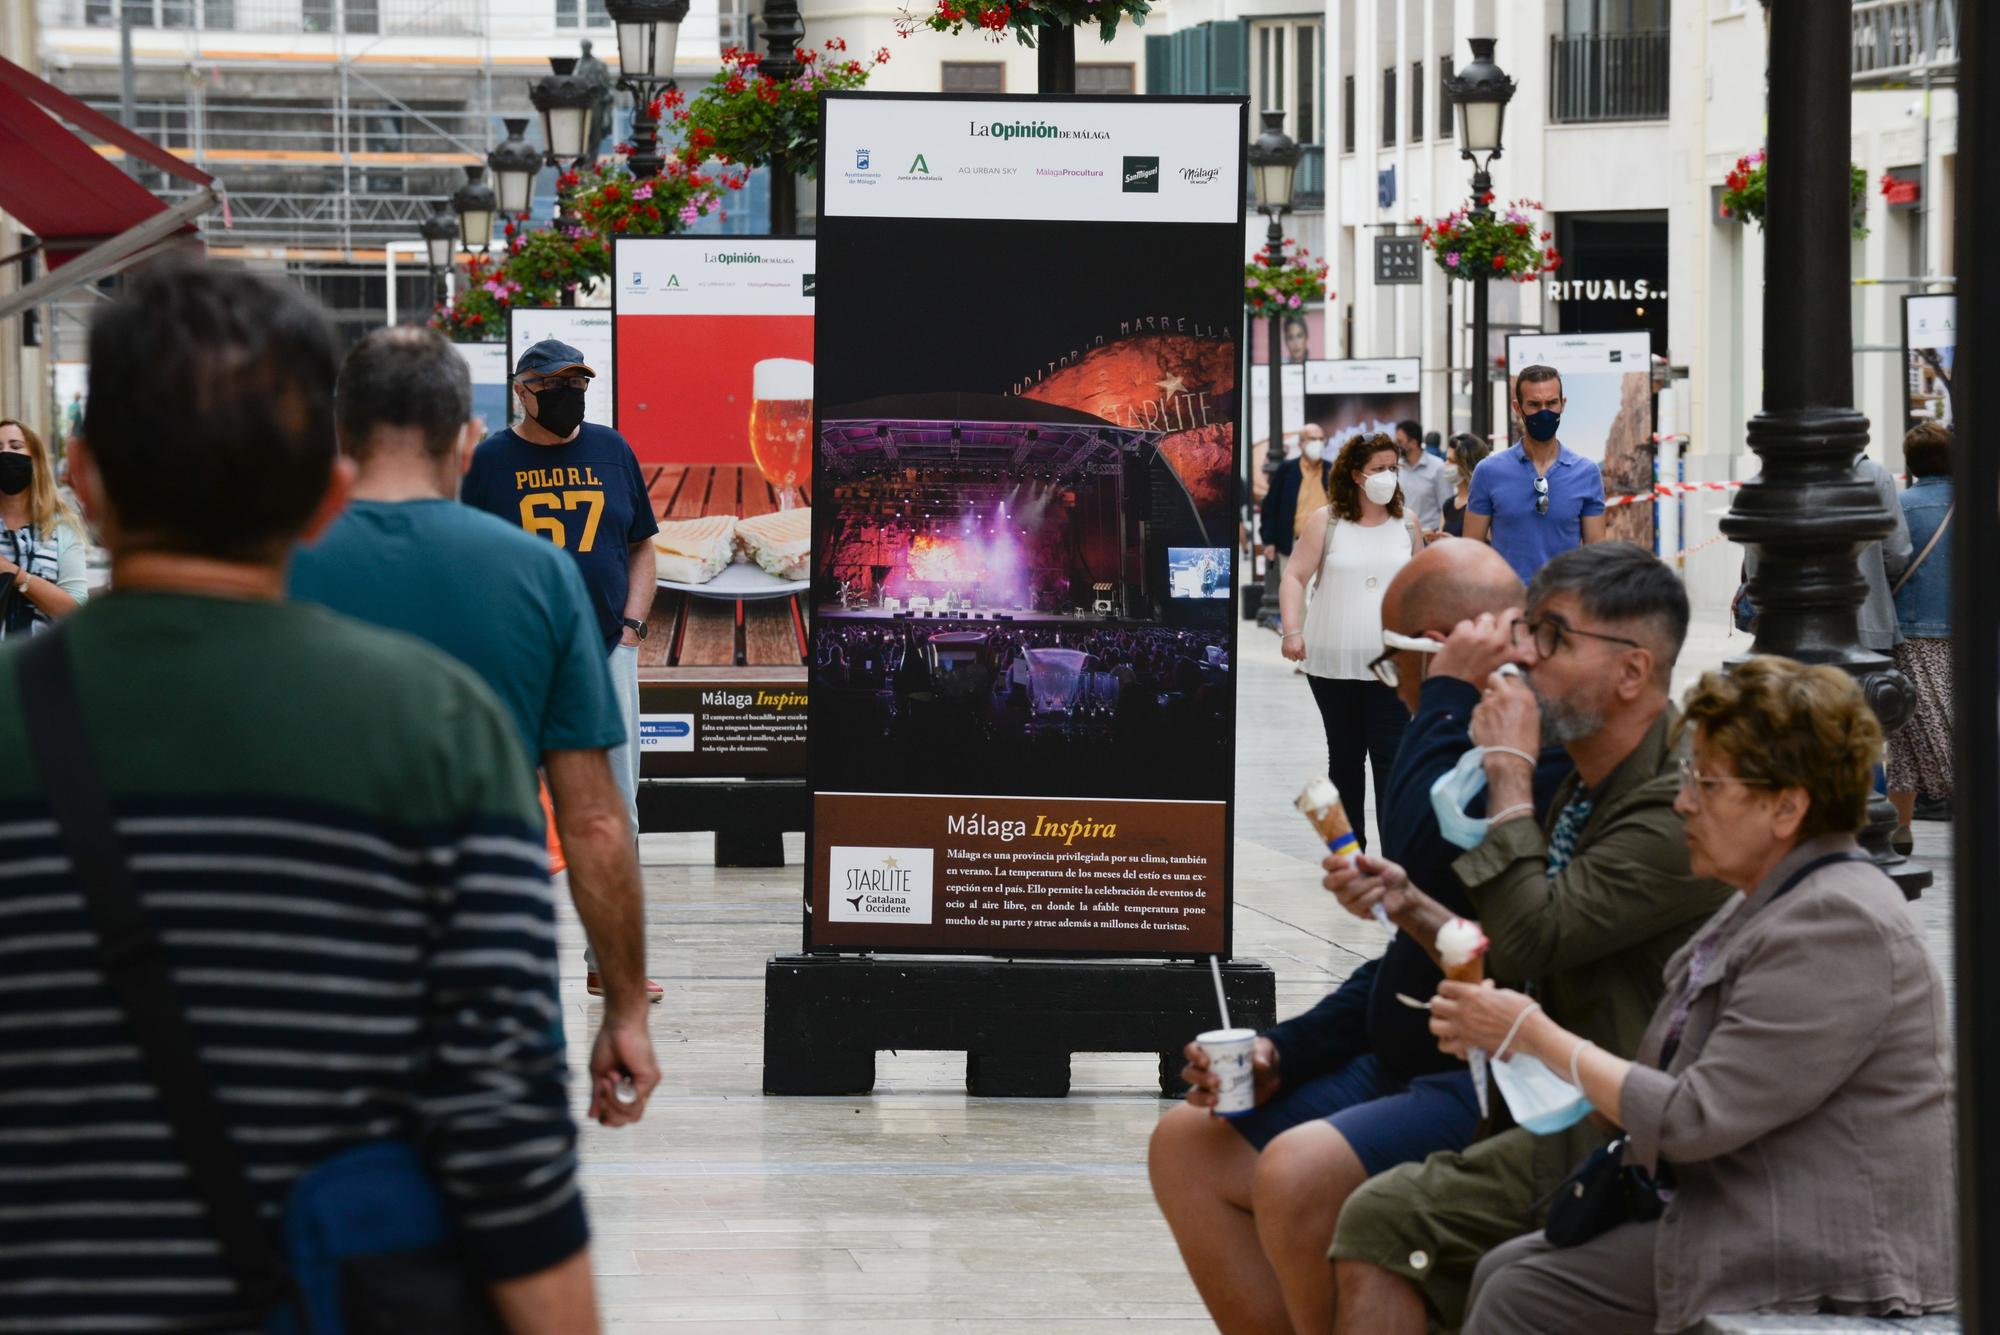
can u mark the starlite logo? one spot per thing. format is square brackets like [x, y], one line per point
[861, 159]
[879, 884]
[1200, 175]
[1142, 176]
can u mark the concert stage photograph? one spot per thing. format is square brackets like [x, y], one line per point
[1012, 597]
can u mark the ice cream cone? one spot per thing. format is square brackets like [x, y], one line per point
[1321, 805]
[1461, 949]
[1472, 971]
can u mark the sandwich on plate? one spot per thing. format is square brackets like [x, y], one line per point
[695, 551]
[780, 543]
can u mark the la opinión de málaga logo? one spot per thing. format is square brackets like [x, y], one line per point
[1029, 130]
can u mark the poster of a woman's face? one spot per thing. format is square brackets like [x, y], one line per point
[1298, 338]
[1302, 336]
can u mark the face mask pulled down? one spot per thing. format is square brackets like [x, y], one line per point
[558, 409]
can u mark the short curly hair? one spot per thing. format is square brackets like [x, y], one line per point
[1785, 724]
[1354, 456]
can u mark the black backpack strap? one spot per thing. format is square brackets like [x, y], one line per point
[135, 967]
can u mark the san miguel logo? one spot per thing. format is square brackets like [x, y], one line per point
[1142, 176]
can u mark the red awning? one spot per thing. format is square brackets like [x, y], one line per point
[60, 187]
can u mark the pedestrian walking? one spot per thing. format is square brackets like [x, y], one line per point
[1331, 602]
[1426, 481]
[578, 485]
[312, 957]
[43, 548]
[406, 555]
[1538, 498]
[1297, 490]
[1920, 752]
[1464, 455]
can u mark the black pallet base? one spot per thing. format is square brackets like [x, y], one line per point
[1017, 1021]
[749, 818]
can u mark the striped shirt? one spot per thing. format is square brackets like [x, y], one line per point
[335, 837]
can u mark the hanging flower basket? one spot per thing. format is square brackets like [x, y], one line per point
[1743, 192]
[747, 119]
[1283, 282]
[605, 202]
[994, 19]
[1511, 244]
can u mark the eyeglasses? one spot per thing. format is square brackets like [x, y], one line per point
[1693, 781]
[1550, 632]
[1541, 495]
[1384, 665]
[557, 382]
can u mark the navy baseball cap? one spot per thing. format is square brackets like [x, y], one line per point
[551, 357]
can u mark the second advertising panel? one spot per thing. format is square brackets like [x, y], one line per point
[715, 392]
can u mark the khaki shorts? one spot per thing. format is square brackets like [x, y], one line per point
[1431, 1222]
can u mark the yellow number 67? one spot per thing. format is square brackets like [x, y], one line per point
[551, 527]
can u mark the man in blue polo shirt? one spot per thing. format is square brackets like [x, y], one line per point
[1537, 499]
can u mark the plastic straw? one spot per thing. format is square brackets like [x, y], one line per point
[1221, 999]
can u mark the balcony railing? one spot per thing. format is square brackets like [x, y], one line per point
[379, 18]
[1619, 76]
[1897, 41]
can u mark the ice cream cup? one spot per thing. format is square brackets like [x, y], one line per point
[1229, 1052]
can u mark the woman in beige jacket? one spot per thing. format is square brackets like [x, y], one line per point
[1792, 1092]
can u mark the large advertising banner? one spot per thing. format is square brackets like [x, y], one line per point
[1025, 481]
[714, 348]
[1608, 382]
[1930, 338]
[585, 328]
[1361, 397]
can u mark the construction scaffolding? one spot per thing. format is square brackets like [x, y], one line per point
[334, 125]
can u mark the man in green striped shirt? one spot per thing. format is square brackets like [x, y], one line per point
[332, 830]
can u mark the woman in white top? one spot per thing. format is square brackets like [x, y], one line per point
[42, 544]
[1331, 606]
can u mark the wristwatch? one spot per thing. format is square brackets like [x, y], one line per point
[634, 625]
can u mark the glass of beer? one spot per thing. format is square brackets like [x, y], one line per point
[781, 418]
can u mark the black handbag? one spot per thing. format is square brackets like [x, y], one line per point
[1601, 1194]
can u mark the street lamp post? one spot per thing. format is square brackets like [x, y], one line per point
[784, 31]
[1806, 515]
[648, 33]
[1274, 164]
[440, 234]
[1480, 92]
[515, 163]
[475, 204]
[564, 101]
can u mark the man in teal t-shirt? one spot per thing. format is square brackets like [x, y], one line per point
[510, 607]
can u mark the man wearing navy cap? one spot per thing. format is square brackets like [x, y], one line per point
[578, 485]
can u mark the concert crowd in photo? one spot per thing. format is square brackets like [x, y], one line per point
[1076, 707]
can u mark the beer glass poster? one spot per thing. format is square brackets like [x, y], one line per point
[713, 341]
[1607, 382]
[1023, 655]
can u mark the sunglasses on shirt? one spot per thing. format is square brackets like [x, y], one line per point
[1541, 495]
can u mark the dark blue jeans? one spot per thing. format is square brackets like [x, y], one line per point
[1364, 725]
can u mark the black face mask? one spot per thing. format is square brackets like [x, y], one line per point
[559, 409]
[17, 472]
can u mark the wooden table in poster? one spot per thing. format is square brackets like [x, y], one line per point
[694, 643]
